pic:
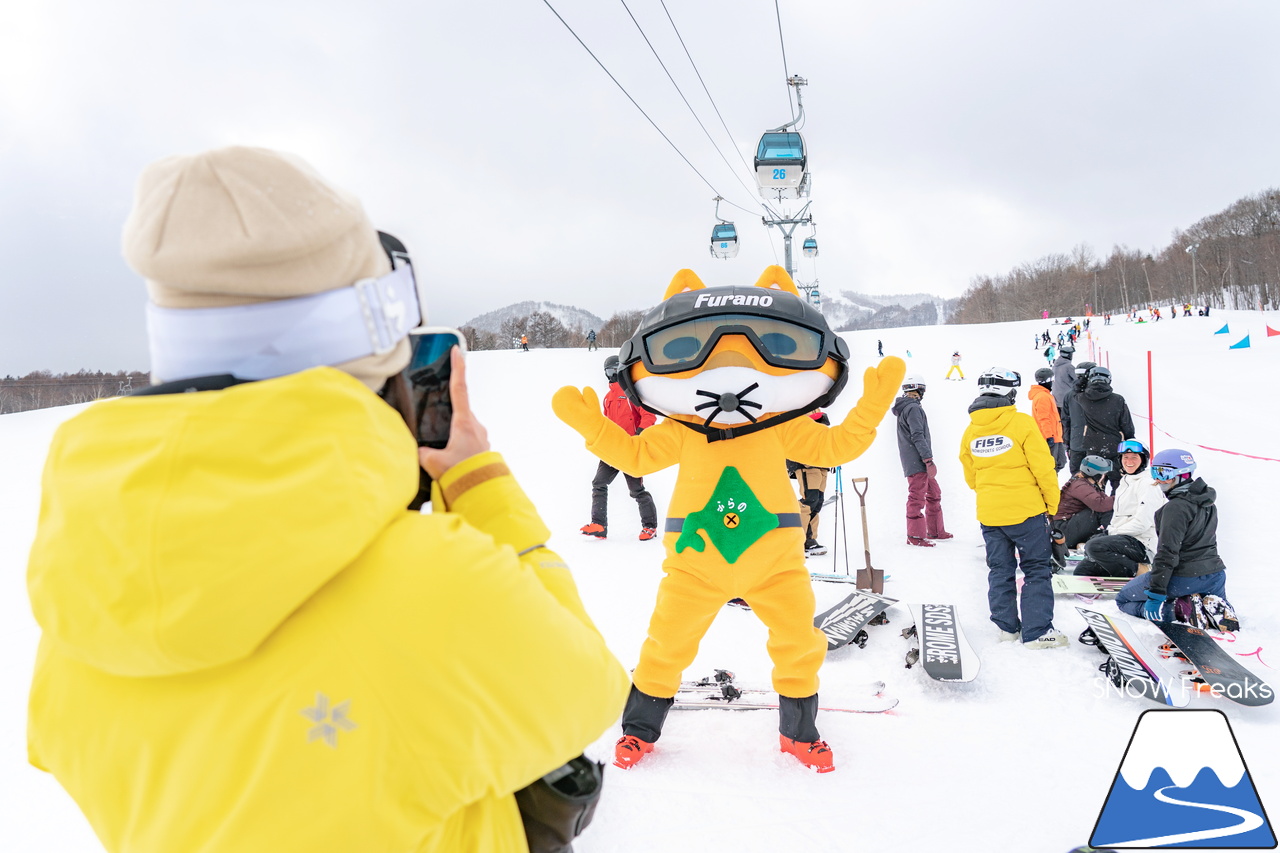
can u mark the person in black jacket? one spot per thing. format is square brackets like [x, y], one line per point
[1064, 411]
[1188, 580]
[924, 496]
[1099, 420]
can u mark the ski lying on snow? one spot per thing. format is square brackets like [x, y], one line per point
[872, 703]
[720, 691]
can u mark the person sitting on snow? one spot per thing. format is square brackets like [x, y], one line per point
[1084, 509]
[1186, 567]
[1130, 539]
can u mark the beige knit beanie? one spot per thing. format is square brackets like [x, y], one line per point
[235, 226]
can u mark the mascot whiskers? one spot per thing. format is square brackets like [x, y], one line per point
[733, 370]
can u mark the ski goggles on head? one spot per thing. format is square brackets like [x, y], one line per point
[780, 343]
[1130, 445]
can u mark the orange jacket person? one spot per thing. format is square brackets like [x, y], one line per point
[734, 370]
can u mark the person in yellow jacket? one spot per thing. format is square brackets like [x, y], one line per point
[1007, 462]
[249, 644]
[734, 370]
[1045, 412]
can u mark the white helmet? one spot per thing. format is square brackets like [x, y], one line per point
[999, 381]
[914, 382]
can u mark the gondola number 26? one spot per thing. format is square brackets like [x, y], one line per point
[779, 174]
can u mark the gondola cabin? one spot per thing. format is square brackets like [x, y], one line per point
[724, 240]
[810, 247]
[780, 163]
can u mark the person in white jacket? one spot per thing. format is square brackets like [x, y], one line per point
[1131, 536]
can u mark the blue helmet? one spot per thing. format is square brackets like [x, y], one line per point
[1173, 464]
[1095, 466]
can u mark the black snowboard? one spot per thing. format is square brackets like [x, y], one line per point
[844, 623]
[1219, 671]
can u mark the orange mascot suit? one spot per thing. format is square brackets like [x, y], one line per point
[733, 370]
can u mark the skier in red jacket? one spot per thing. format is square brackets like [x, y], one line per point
[619, 409]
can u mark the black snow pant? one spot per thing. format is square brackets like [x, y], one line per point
[1112, 557]
[606, 474]
[1082, 526]
[644, 716]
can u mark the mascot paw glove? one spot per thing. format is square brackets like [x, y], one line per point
[579, 409]
[880, 386]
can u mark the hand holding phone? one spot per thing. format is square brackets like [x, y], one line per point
[467, 436]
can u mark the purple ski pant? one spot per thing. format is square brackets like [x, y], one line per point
[924, 506]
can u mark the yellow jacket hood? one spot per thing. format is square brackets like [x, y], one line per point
[296, 476]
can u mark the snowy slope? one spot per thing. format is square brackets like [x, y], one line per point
[1019, 760]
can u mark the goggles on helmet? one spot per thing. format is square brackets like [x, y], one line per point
[780, 342]
[1130, 445]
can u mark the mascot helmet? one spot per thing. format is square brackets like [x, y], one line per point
[761, 340]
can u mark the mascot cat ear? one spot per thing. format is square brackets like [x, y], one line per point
[683, 282]
[776, 278]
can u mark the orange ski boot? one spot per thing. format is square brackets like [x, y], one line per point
[816, 755]
[628, 751]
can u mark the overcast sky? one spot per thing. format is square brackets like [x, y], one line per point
[947, 139]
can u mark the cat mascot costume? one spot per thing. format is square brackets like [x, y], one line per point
[733, 370]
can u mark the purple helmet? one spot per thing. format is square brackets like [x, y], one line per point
[1173, 464]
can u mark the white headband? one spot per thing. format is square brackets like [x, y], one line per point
[270, 339]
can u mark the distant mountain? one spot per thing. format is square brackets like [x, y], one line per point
[570, 316]
[848, 311]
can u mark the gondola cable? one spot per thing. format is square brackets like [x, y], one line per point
[547, 3]
[692, 112]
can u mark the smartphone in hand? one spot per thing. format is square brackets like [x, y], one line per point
[428, 373]
[421, 393]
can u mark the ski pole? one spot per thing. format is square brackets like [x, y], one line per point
[841, 525]
[868, 578]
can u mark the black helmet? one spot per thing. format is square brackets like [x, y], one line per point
[1044, 374]
[1066, 349]
[611, 369]
[1083, 368]
[1100, 376]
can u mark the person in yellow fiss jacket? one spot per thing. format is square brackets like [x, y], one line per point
[734, 370]
[249, 644]
[1007, 462]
